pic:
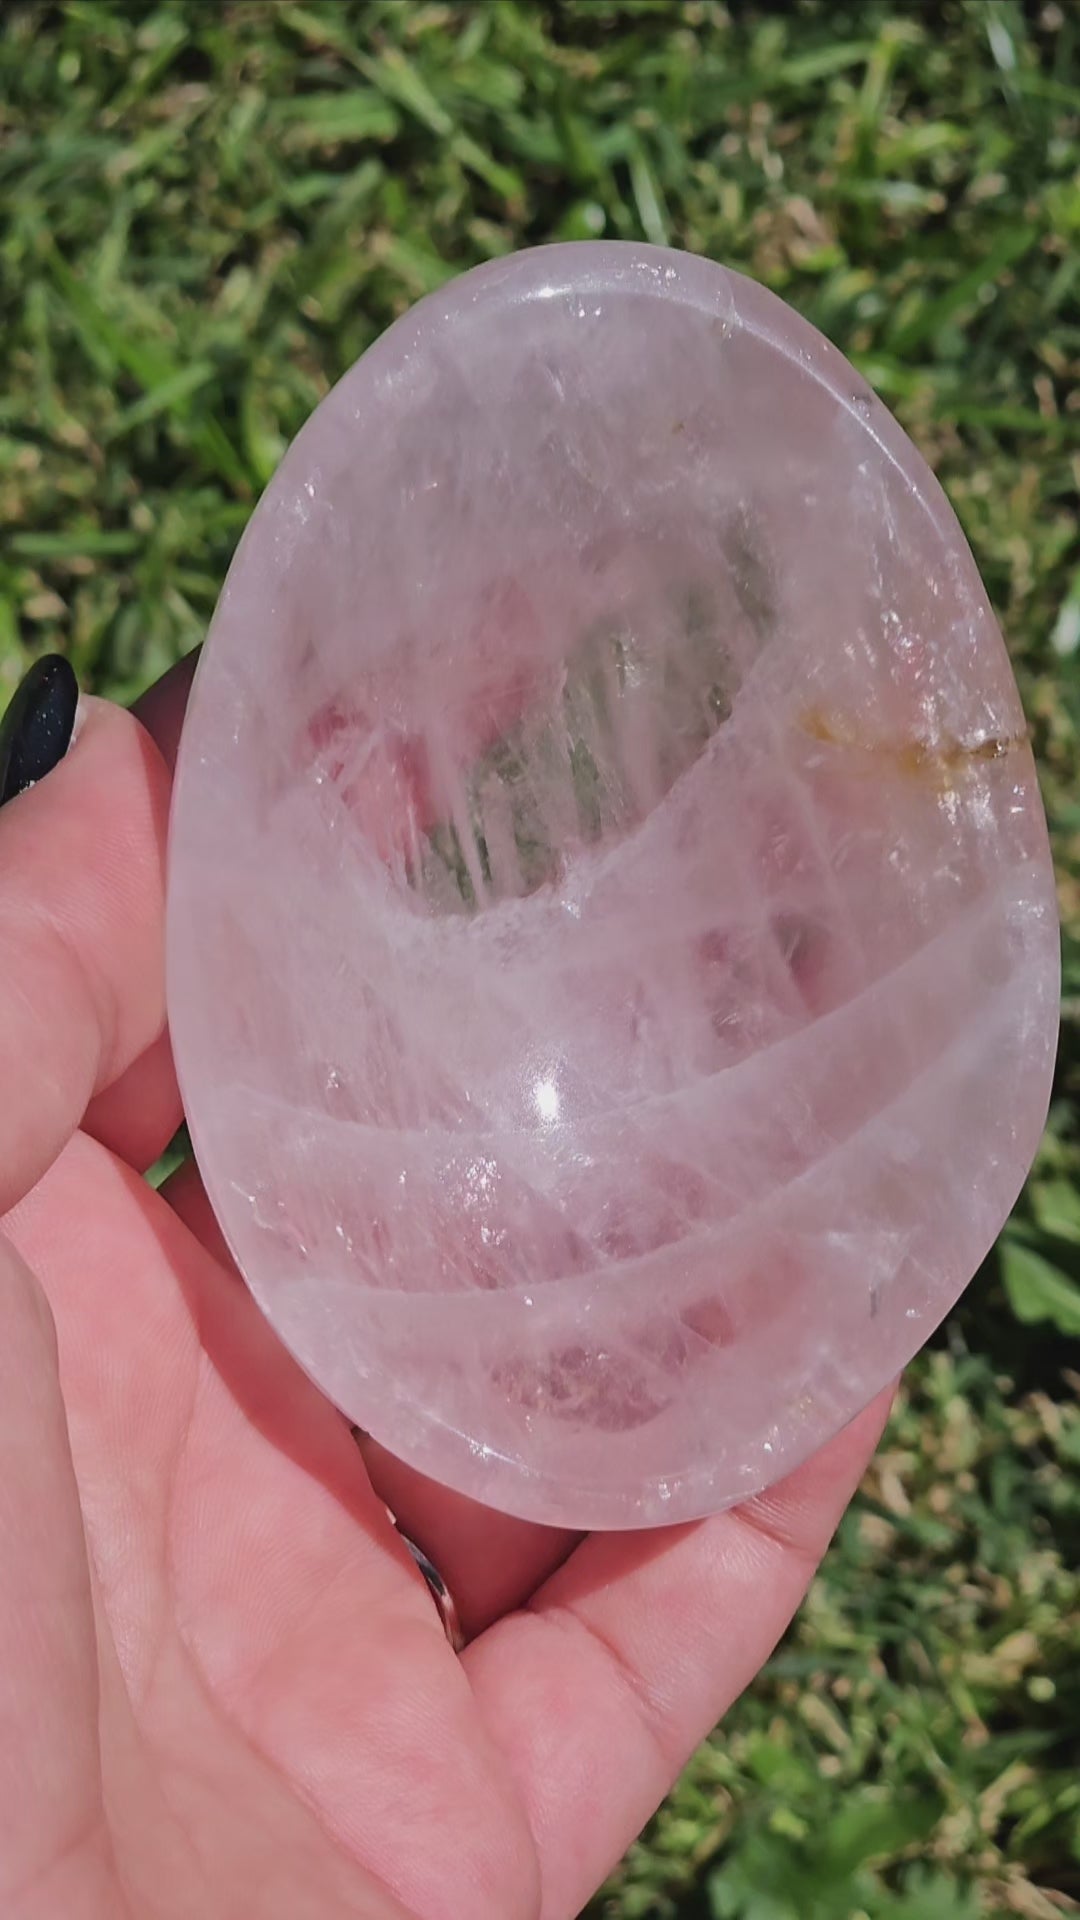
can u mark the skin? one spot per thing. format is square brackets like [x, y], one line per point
[224, 1688]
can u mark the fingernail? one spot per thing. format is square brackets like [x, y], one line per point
[36, 730]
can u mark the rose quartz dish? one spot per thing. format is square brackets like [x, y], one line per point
[612, 950]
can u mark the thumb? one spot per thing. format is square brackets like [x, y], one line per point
[53, 1843]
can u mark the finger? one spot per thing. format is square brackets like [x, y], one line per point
[53, 1851]
[636, 1648]
[138, 1114]
[162, 707]
[81, 966]
[490, 1562]
[186, 1195]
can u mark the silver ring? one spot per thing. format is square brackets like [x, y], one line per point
[440, 1593]
[436, 1585]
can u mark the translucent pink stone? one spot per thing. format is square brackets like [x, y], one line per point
[612, 944]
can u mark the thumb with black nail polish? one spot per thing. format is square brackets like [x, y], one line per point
[36, 730]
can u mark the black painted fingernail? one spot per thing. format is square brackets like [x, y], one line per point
[35, 732]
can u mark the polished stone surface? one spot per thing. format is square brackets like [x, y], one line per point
[612, 944]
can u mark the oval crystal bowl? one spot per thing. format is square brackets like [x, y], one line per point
[612, 954]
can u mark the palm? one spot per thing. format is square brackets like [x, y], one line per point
[273, 1673]
[228, 1692]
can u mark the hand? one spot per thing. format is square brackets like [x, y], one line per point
[224, 1687]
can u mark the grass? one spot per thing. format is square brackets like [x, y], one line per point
[207, 213]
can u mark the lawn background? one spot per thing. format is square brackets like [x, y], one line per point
[206, 213]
